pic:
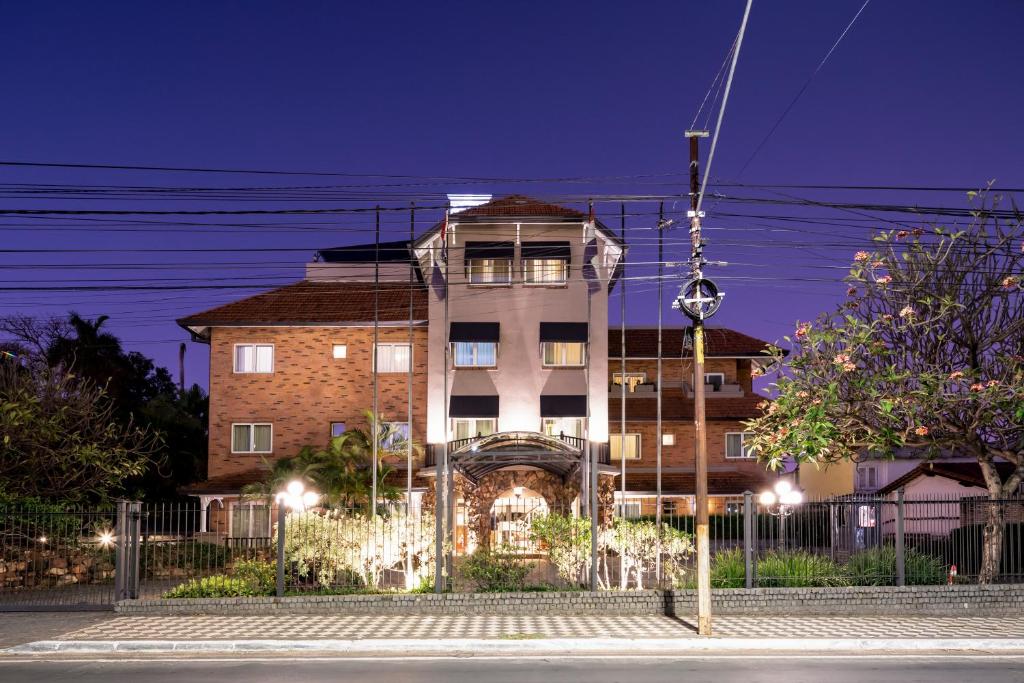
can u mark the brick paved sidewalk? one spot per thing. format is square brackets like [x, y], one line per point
[504, 626]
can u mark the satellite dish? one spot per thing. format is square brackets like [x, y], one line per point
[698, 299]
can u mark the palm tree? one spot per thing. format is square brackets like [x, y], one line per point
[305, 467]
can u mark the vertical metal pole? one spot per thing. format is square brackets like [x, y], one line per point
[585, 451]
[622, 367]
[280, 548]
[135, 549]
[748, 538]
[699, 425]
[441, 467]
[409, 400]
[901, 566]
[120, 560]
[658, 437]
[376, 359]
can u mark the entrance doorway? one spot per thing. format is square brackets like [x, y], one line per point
[511, 516]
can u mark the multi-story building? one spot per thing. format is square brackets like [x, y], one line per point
[493, 351]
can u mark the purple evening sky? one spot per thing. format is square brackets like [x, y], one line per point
[921, 92]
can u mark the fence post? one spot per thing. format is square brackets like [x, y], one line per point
[134, 550]
[280, 548]
[901, 567]
[748, 537]
[120, 559]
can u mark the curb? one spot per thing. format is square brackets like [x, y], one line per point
[479, 646]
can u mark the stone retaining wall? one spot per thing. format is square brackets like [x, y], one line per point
[963, 600]
[883, 600]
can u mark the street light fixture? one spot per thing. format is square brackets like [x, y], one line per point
[781, 503]
[296, 497]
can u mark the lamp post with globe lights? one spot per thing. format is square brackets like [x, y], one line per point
[296, 498]
[781, 502]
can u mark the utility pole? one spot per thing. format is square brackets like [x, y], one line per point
[700, 441]
[699, 299]
[181, 368]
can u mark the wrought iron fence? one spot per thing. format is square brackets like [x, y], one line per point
[90, 558]
[51, 557]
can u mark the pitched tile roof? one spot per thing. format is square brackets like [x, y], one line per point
[227, 483]
[678, 408]
[642, 342]
[308, 302]
[966, 473]
[517, 205]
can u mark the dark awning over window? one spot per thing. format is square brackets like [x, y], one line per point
[563, 332]
[558, 405]
[474, 332]
[490, 250]
[473, 406]
[546, 250]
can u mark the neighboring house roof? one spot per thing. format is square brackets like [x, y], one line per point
[677, 408]
[966, 473]
[226, 483]
[642, 342]
[314, 303]
[518, 206]
[389, 252]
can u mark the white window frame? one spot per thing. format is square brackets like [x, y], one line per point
[633, 436]
[338, 422]
[475, 354]
[563, 354]
[252, 436]
[396, 422]
[580, 422]
[391, 346]
[488, 268]
[668, 439]
[335, 348]
[248, 506]
[562, 271]
[743, 439]
[255, 352]
[473, 422]
[869, 473]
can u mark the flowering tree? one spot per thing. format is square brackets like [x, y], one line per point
[927, 353]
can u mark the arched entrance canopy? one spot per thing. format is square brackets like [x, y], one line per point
[557, 455]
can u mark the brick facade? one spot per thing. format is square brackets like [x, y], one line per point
[308, 389]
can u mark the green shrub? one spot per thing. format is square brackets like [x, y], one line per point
[217, 586]
[728, 569]
[184, 555]
[497, 571]
[262, 576]
[798, 569]
[877, 567]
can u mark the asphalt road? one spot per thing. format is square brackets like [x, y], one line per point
[788, 669]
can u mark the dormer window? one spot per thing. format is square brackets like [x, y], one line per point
[545, 263]
[489, 263]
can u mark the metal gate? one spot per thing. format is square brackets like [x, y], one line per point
[68, 559]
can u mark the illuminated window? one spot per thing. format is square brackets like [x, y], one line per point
[668, 439]
[475, 354]
[632, 380]
[339, 350]
[563, 354]
[545, 271]
[489, 271]
[393, 357]
[254, 358]
[569, 426]
[632, 446]
[470, 428]
[251, 438]
[736, 445]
